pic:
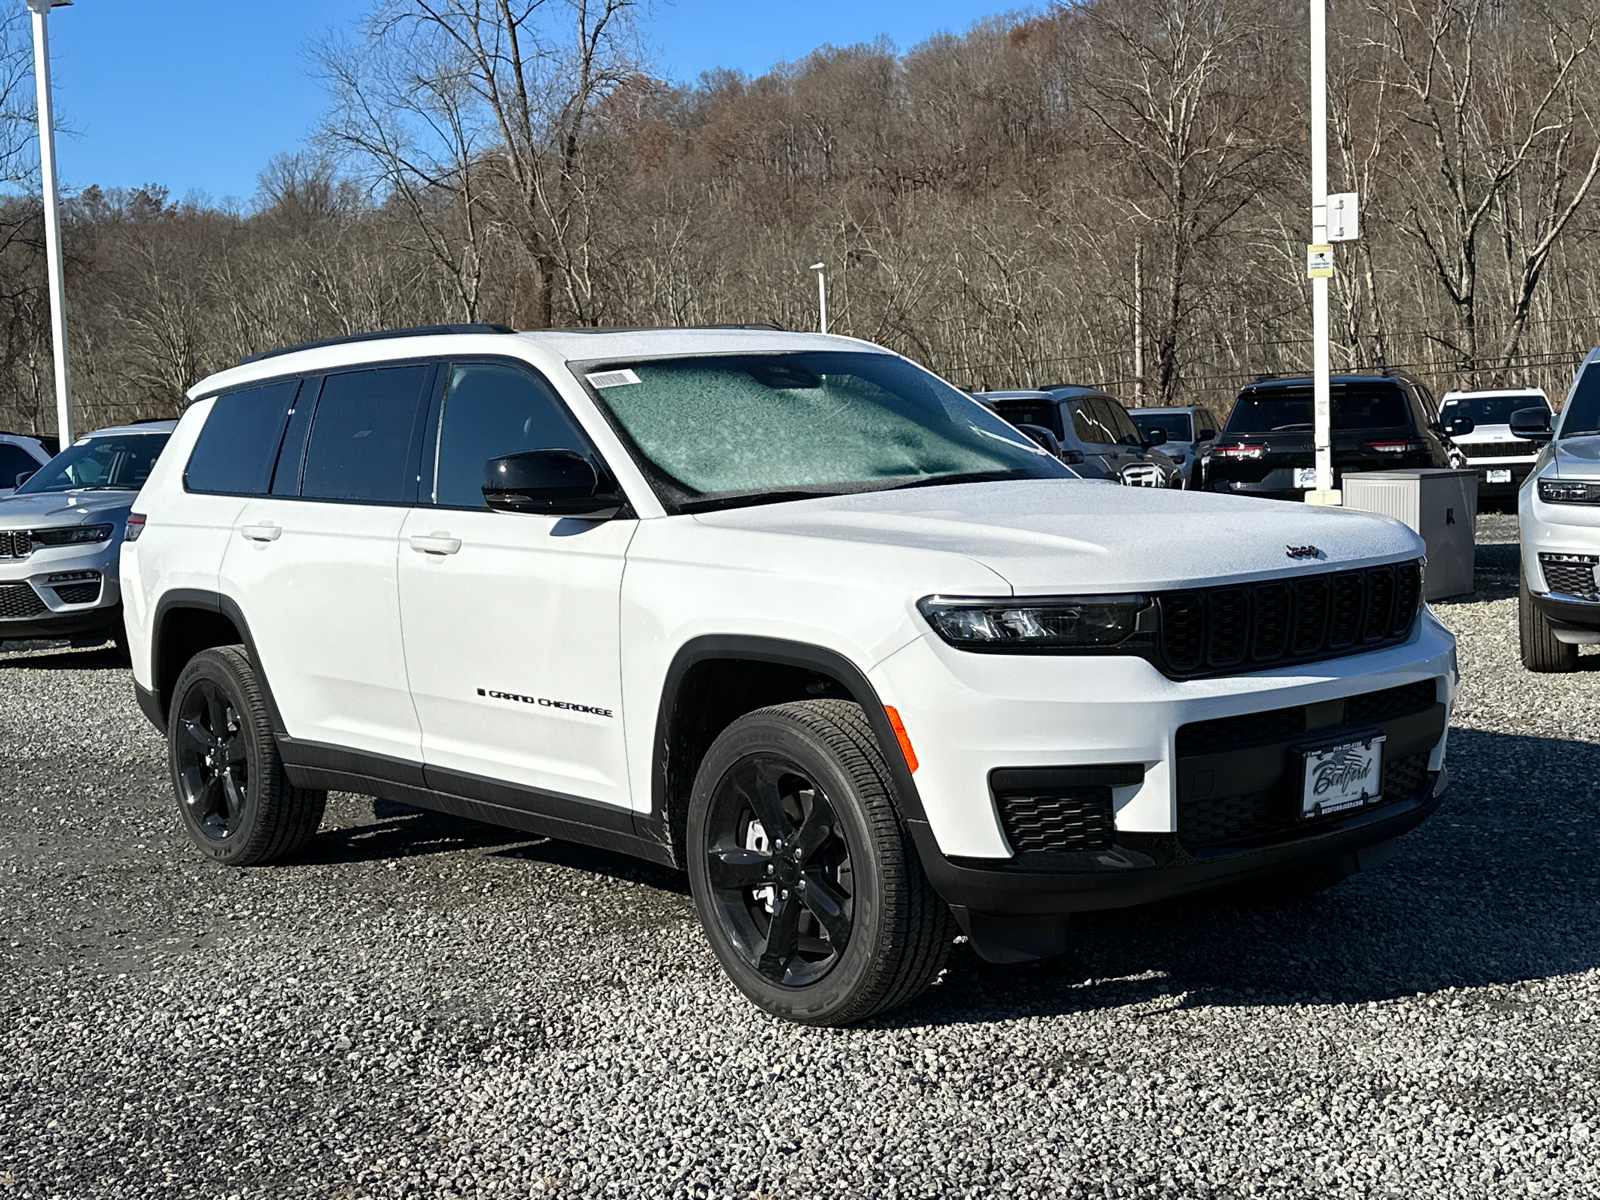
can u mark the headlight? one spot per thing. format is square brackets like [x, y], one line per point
[1568, 491]
[72, 537]
[1033, 622]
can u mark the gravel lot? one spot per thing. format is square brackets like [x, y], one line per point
[426, 1006]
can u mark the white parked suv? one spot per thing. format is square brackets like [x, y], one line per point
[1479, 424]
[1558, 514]
[785, 610]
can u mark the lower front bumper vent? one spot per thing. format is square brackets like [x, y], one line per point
[1060, 810]
[1571, 574]
[19, 601]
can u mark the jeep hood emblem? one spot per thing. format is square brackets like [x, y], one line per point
[1302, 552]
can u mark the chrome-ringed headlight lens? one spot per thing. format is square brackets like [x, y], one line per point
[1042, 623]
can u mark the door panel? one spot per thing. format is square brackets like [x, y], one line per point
[511, 620]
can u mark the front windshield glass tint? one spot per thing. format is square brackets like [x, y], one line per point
[1490, 410]
[1288, 410]
[1583, 410]
[1175, 425]
[723, 430]
[120, 462]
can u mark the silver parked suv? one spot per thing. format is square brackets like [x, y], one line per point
[61, 532]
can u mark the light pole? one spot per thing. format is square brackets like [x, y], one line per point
[52, 212]
[822, 295]
[1319, 260]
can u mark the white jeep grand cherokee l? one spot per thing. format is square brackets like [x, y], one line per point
[784, 610]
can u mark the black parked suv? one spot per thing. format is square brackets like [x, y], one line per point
[1382, 421]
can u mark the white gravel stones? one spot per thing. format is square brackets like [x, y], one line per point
[425, 1007]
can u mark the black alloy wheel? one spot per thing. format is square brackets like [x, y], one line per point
[780, 870]
[233, 793]
[806, 882]
[211, 761]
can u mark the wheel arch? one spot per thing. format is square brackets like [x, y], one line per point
[187, 621]
[714, 680]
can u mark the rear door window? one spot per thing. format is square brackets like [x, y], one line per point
[366, 435]
[1085, 424]
[239, 443]
[491, 409]
[1118, 421]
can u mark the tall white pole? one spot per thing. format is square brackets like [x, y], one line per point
[822, 296]
[52, 215]
[1320, 364]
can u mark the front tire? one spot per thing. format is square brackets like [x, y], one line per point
[1541, 651]
[809, 889]
[233, 794]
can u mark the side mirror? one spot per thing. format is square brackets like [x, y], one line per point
[24, 476]
[1457, 426]
[1206, 435]
[553, 483]
[1155, 437]
[1532, 424]
[1042, 437]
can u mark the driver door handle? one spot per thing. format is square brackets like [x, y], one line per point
[436, 542]
[265, 532]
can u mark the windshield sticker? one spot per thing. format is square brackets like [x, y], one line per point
[610, 379]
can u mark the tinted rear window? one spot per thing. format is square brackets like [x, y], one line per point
[1288, 409]
[236, 449]
[1583, 410]
[362, 435]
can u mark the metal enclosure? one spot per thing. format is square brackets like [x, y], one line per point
[1441, 505]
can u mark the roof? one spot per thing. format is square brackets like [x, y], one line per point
[1489, 392]
[1015, 394]
[1163, 408]
[541, 345]
[1273, 382]
[166, 425]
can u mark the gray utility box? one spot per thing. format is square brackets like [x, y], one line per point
[1440, 504]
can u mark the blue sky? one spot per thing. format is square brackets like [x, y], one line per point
[198, 94]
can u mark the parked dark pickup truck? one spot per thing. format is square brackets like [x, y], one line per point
[1381, 421]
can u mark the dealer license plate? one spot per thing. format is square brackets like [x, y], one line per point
[1342, 777]
[1305, 477]
[1502, 476]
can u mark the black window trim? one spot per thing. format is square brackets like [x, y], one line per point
[428, 489]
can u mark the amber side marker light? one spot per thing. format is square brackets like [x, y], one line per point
[900, 736]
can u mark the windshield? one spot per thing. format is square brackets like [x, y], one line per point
[719, 431]
[1583, 409]
[1288, 409]
[1490, 410]
[121, 462]
[1174, 424]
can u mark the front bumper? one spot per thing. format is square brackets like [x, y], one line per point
[61, 592]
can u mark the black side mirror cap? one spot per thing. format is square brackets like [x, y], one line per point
[1206, 435]
[24, 476]
[1458, 426]
[552, 483]
[1531, 424]
[1155, 437]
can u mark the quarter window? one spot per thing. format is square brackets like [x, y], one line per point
[362, 435]
[493, 409]
[236, 449]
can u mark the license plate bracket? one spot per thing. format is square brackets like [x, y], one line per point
[1341, 777]
[1499, 475]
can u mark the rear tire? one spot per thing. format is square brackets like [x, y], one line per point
[808, 887]
[1541, 651]
[233, 794]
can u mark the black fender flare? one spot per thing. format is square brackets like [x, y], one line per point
[178, 599]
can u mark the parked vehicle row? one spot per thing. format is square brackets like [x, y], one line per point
[785, 610]
[1089, 431]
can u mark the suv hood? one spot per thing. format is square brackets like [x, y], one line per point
[1578, 457]
[63, 508]
[1052, 535]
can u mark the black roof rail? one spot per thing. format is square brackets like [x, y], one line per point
[1055, 387]
[150, 420]
[379, 335]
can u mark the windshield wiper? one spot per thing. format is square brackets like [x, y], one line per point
[965, 477]
[739, 499]
[1297, 425]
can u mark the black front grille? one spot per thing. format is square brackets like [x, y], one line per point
[1500, 450]
[1570, 573]
[1210, 822]
[1216, 630]
[78, 593]
[19, 600]
[16, 543]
